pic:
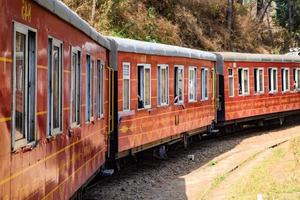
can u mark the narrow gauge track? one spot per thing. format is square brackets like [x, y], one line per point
[146, 177]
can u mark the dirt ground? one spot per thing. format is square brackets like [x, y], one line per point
[218, 162]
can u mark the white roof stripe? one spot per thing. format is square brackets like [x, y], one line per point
[64, 12]
[136, 46]
[231, 56]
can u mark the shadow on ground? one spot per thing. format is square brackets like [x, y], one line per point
[150, 178]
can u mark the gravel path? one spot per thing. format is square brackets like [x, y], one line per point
[180, 178]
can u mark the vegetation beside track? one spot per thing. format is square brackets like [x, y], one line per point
[277, 177]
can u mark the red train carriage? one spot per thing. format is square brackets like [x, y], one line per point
[164, 92]
[52, 100]
[258, 86]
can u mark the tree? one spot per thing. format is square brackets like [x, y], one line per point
[230, 15]
[288, 14]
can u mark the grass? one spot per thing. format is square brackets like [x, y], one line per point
[212, 163]
[277, 177]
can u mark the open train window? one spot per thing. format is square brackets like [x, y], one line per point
[230, 83]
[297, 79]
[89, 89]
[244, 85]
[75, 108]
[100, 88]
[55, 76]
[144, 86]
[163, 85]
[285, 79]
[24, 86]
[273, 81]
[178, 84]
[259, 80]
[192, 87]
[126, 86]
[204, 84]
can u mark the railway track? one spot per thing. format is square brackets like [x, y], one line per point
[176, 177]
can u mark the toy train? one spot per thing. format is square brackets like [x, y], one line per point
[72, 99]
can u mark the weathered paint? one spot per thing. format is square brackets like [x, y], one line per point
[55, 168]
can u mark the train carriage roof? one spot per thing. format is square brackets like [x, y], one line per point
[247, 57]
[135, 46]
[64, 12]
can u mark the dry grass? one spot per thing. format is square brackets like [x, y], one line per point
[277, 177]
[198, 24]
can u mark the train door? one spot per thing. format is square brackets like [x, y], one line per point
[112, 114]
[220, 98]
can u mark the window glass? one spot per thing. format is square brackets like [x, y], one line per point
[163, 85]
[192, 83]
[56, 87]
[20, 86]
[298, 79]
[272, 74]
[231, 82]
[89, 89]
[147, 87]
[75, 87]
[24, 86]
[258, 80]
[204, 84]
[144, 86]
[178, 84]
[55, 105]
[126, 86]
[243, 75]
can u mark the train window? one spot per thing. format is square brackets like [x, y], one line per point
[126, 86]
[273, 81]
[144, 86]
[55, 70]
[297, 79]
[75, 108]
[89, 89]
[192, 87]
[244, 86]
[100, 88]
[204, 84]
[179, 85]
[285, 79]
[24, 86]
[163, 85]
[231, 82]
[259, 80]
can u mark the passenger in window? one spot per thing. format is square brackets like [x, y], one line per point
[140, 102]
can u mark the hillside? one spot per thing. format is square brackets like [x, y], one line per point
[200, 24]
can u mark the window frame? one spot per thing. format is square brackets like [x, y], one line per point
[89, 111]
[258, 90]
[23, 29]
[242, 80]
[145, 66]
[192, 68]
[160, 67]
[100, 88]
[272, 91]
[51, 132]
[129, 90]
[78, 53]
[205, 70]
[179, 67]
[283, 80]
[229, 77]
[297, 79]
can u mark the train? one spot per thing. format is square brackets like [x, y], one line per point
[73, 100]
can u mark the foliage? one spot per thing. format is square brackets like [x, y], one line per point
[198, 24]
